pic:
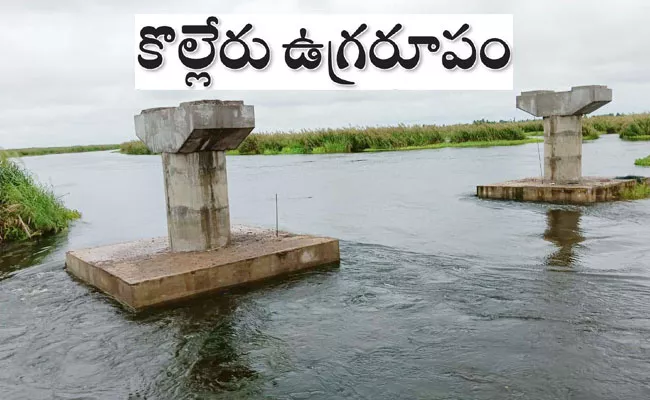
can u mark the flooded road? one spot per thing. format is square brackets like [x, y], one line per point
[439, 295]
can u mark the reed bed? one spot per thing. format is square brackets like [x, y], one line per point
[481, 133]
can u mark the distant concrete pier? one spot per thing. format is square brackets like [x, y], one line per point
[562, 113]
[562, 181]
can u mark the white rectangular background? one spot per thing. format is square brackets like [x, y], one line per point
[277, 30]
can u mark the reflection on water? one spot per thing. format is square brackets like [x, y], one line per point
[208, 347]
[563, 230]
[16, 256]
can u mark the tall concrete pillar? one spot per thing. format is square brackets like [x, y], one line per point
[563, 148]
[193, 138]
[196, 193]
[562, 113]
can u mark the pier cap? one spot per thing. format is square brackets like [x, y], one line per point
[580, 100]
[205, 125]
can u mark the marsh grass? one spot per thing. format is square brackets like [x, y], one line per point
[41, 151]
[407, 137]
[589, 132]
[640, 138]
[134, 147]
[637, 129]
[27, 208]
[355, 140]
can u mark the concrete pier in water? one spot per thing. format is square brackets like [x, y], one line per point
[193, 138]
[562, 182]
[200, 254]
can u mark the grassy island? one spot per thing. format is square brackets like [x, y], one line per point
[643, 162]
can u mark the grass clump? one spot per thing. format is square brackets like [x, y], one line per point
[28, 209]
[638, 192]
[134, 147]
[643, 162]
[637, 129]
[589, 132]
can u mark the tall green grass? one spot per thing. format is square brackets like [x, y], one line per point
[135, 147]
[354, 140]
[27, 208]
[637, 129]
[589, 132]
[360, 139]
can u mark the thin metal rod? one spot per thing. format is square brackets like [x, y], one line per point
[539, 155]
[276, 214]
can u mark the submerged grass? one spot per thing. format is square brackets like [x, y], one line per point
[27, 208]
[41, 151]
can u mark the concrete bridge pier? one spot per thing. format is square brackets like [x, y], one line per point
[563, 148]
[196, 193]
[562, 181]
[562, 113]
[193, 139]
[202, 252]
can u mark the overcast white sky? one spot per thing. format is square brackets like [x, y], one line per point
[66, 66]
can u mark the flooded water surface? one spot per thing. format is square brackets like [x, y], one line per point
[439, 295]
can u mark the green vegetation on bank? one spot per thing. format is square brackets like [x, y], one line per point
[27, 208]
[480, 133]
[41, 151]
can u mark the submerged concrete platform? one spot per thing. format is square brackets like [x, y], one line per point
[587, 190]
[145, 273]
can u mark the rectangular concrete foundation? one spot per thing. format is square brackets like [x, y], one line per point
[588, 190]
[146, 273]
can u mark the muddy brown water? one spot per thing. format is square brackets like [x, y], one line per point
[439, 295]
